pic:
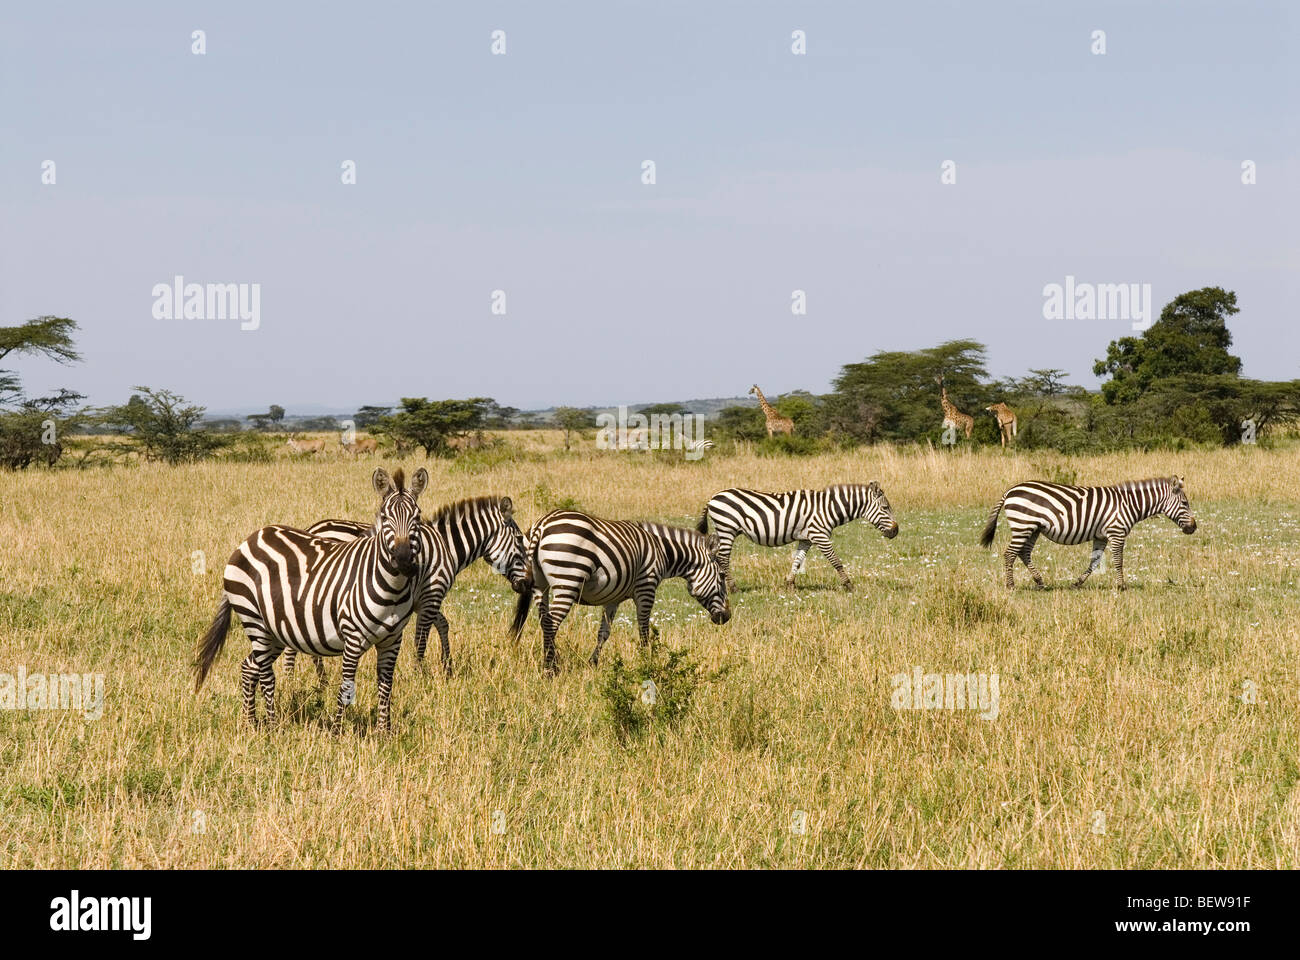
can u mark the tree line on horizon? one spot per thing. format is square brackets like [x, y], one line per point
[1175, 385]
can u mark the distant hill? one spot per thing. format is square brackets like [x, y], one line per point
[709, 407]
[297, 417]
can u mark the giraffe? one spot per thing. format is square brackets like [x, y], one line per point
[775, 422]
[952, 417]
[1006, 420]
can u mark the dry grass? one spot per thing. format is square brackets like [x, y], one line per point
[1128, 704]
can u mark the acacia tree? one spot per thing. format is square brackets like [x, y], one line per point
[162, 426]
[892, 394]
[434, 424]
[29, 427]
[573, 419]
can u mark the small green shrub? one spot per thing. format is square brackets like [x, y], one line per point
[651, 694]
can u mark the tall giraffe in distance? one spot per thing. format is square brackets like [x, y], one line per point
[775, 422]
[1006, 420]
[952, 417]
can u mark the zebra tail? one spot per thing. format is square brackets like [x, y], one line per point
[522, 606]
[991, 527]
[703, 525]
[212, 643]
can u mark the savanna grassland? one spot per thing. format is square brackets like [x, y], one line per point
[1151, 728]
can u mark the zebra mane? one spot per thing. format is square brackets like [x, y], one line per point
[399, 480]
[468, 505]
[1146, 484]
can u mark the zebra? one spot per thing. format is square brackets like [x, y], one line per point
[323, 597]
[459, 534]
[1069, 514]
[593, 562]
[802, 517]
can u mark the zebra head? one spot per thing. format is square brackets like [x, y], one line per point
[397, 523]
[1175, 506]
[876, 511]
[505, 547]
[705, 581]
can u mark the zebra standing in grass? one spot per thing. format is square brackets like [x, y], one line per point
[323, 597]
[802, 517]
[1068, 514]
[581, 559]
[460, 533]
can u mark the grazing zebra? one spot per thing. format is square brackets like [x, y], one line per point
[581, 559]
[459, 534]
[323, 597]
[1068, 514]
[802, 517]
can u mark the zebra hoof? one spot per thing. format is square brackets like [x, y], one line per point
[848, 587]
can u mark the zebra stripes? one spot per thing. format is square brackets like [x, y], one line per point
[802, 517]
[323, 597]
[459, 534]
[1069, 514]
[585, 560]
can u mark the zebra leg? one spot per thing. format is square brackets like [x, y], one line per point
[267, 680]
[249, 673]
[1026, 552]
[444, 629]
[823, 543]
[606, 622]
[386, 658]
[726, 540]
[800, 552]
[352, 651]
[552, 615]
[1019, 548]
[320, 672]
[1117, 556]
[645, 602]
[290, 661]
[1098, 551]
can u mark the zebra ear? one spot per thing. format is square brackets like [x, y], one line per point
[507, 507]
[1176, 482]
[419, 482]
[874, 486]
[711, 542]
[382, 481]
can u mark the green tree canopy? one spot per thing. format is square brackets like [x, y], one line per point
[433, 424]
[892, 395]
[162, 426]
[1190, 338]
[571, 419]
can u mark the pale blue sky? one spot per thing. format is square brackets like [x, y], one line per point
[775, 172]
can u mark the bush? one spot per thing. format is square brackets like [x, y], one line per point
[785, 445]
[652, 694]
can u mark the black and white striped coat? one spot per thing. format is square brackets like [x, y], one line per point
[585, 560]
[1069, 514]
[802, 517]
[459, 534]
[323, 597]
